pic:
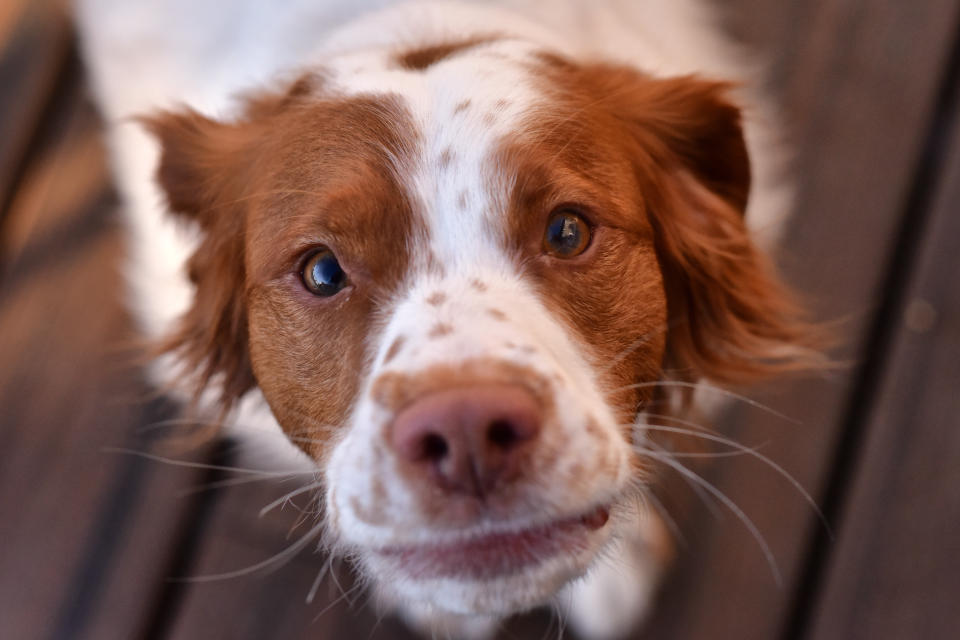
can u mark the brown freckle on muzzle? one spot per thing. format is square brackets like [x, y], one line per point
[478, 285]
[436, 298]
[373, 516]
[592, 427]
[440, 329]
[446, 156]
[461, 106]
[497, 314]
[463, 200]
[394, 349]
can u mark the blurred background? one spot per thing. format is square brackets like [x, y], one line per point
[96, 544]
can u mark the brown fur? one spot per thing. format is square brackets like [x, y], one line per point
[265, 190]
[672, 279]
[423, 57]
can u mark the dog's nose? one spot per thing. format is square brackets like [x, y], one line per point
[469, 439]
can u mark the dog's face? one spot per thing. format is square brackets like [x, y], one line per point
[457, 275]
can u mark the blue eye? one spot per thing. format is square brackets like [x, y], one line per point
[322, 275]
[567, 234]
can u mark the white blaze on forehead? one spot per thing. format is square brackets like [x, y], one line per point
[474, 103]
[463, 106]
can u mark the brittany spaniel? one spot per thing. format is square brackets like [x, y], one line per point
[457, 253]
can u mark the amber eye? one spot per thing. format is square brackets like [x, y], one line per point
[567, 235]
[322, 274]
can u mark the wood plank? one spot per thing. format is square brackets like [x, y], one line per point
[859, 82]
[77, 558]
[34, 45]
[895, 570]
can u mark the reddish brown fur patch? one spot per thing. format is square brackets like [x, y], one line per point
[394, 391]
[266, 189]
[424, 57]
[440, 329]
[436, 298]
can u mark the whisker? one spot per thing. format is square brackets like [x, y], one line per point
[319, 579]
[378, 621]
[233, 482]
[750, 451]
[680, 421]
[278, 560]
[716, 454]
[698, 490]
[344, 595]
[708, 387]
[336, 582]
[664, 514]
[284, 498]
[730, 504]
[202, 465]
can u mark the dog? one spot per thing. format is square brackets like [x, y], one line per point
[458, 254]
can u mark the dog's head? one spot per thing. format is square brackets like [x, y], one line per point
[458, 274]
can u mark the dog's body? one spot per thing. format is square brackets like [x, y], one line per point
[420, 150]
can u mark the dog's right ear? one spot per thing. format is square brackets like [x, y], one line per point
[204, 164]
[210, 173]
[205, 171]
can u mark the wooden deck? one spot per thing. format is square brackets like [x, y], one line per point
[99, 545]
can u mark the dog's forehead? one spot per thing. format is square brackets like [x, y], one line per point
[465, 105]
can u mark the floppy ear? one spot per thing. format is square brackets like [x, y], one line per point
[204, 170]
[730, 317]
[208, 171]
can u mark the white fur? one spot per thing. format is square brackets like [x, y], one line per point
[150, 54]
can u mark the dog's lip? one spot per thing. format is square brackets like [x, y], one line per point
[491, 555]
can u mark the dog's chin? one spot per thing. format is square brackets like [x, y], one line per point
[491, 573]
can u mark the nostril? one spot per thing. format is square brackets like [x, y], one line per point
[433, 447]
[502, 434]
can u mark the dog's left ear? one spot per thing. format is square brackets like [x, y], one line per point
[731, 319]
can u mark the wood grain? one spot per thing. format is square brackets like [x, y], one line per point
[86, 534]
[895, 570]
[859, 105]
[34, 47]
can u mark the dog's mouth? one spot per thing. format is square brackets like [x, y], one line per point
[495, 555]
